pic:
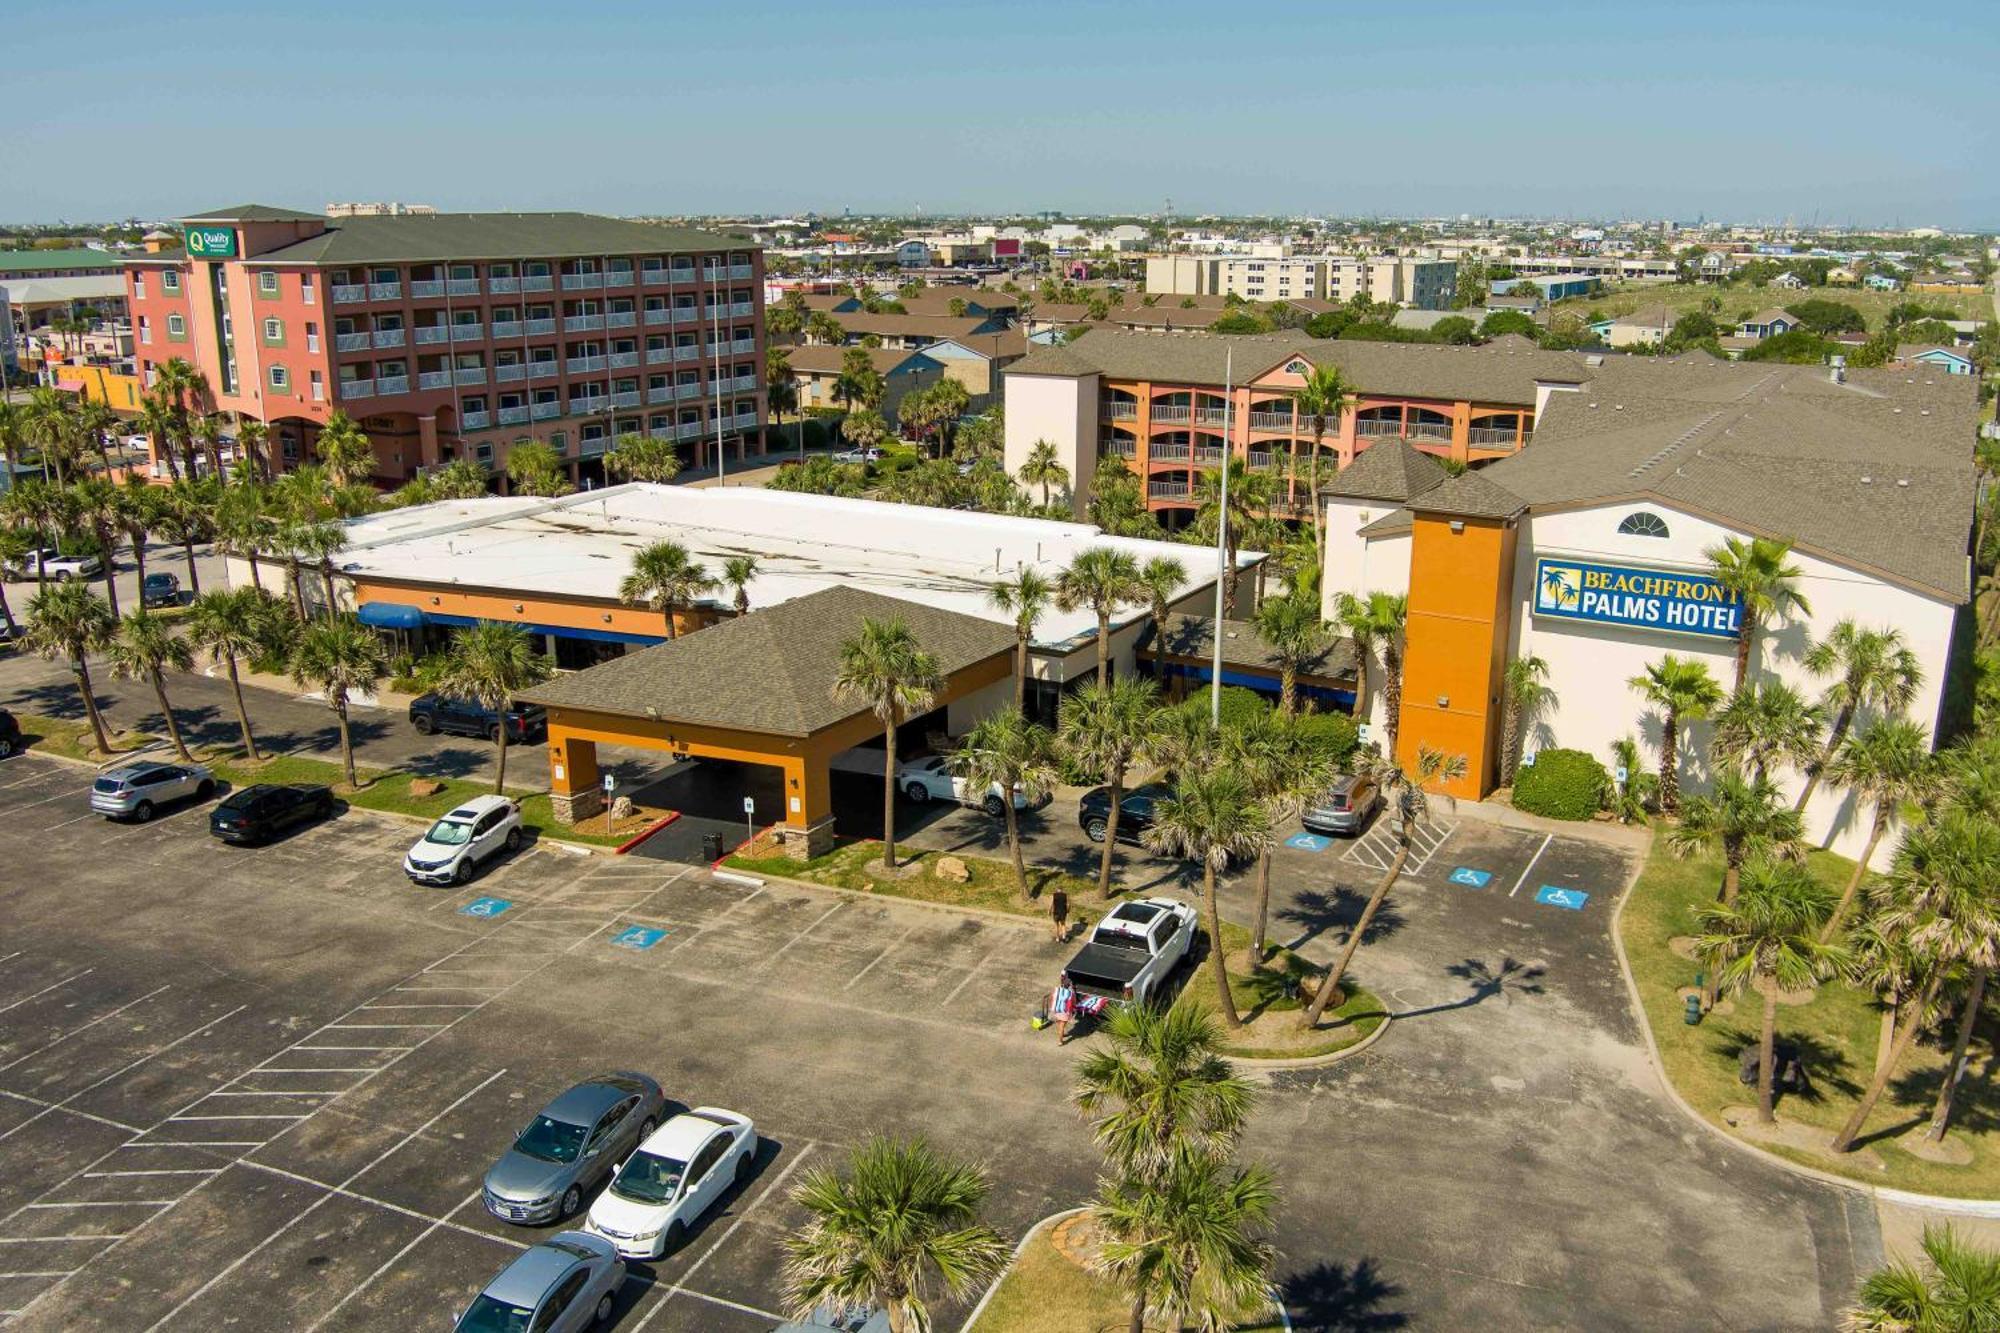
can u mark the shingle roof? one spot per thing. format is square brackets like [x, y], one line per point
[770, 671]
[1392, 469]
[1468, 495]
[41, 261]
[254, 213]
[1242, 647]
[859, 322]
[434, 237]
[1165, 315]
[821, 360]
[1391, 523]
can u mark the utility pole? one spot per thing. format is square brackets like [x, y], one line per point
[1222, 569]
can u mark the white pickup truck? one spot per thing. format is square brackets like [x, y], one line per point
[53, 564]
[1133, 951]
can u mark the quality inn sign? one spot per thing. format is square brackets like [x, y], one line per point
[211, 242]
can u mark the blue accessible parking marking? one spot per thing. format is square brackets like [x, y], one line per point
[1551, 896]
[485, 907]
[1470, 878]
[638, 937]
[1309, 842]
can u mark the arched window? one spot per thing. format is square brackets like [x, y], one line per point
[1643, 523]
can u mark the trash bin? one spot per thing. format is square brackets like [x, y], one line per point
[711, 847]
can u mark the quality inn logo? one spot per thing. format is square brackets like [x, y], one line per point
[1560, 588]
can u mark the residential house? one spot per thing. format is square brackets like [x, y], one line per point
[1766, 324]
[903, 371]
[978, 361]
[1647, 327]
[1791, 282]
[1951, 360]
[909, 331]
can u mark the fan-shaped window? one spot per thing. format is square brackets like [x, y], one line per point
[1644, 523]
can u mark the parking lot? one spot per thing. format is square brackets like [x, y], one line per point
[259, 1087]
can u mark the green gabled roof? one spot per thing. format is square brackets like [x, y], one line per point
[41, 261]
[254, 213]
[438, 237]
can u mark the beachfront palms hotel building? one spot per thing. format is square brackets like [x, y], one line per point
[454, 335]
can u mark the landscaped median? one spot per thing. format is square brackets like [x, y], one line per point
[1835, 1032]
[1267, 1000]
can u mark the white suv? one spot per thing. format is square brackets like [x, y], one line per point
[931, 779]
[453, 848]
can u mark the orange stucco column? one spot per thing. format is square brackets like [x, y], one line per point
[574, 789]
[1455, 644]
[427, 440]
[1461, 431]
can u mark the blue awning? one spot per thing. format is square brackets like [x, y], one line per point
[554, 631]
[389, 615]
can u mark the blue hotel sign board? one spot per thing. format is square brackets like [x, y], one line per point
[211, 242]
[1637, 597]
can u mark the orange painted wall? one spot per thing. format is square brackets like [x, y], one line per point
[569, 612]
[1461, 587]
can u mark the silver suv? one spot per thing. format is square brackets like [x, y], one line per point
[1345, 808]
[137, 791]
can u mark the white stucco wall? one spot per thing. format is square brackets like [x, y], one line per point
[1058, 408]
[961, 714]
[1589, 665]
[1359, 565]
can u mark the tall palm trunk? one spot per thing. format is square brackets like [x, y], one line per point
[1312, 489]
[500, 773]
[7, 614]
[1116, 785]
[1361, 656]
[1138, 1323]
[1288, 688]
[296, 582]
[1329, 988]
[1218, 965]
[1020, 672]
[1817, 769]
[1392, 693]
[167, 712]
[110, 577]
[1743, 652]
[339, 702]
[889, 794]
[1854, 879]
[1885, 1034]
[1255, 958]
[1670, 764]
[1732, 875]
[1844, 1140]
[242, 713]
[1014, 842]
[1767, 1040]
[1510, 736]
[80, 668]
[256, 574]
[194, 572]
[139, 563]
[1975, 996]
[1104, 645]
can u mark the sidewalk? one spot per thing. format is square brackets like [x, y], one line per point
[1634, 838]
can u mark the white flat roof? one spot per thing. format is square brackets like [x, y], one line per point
[582, 545]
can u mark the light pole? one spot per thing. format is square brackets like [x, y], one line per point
[1222, 569]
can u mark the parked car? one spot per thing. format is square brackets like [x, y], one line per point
[160, 590]
[571, 1146]
[568, 1282]
[51, 563]
[859, 455]
[252, 814]
[1346, 808]
[930, 779]
[1133, 951]
[10, 733]
[462, 717]
[137, 791]
[677, 1174]
[1135, 812]
[453, 847]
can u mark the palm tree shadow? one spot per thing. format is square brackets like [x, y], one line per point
[1316, 913]
[1509, 979]
[1341, 1298]
[1826, 1065]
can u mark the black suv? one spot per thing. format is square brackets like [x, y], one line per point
[1135, 812]
[10, 734]
[252, 814]
[462, 717]
[160, 590]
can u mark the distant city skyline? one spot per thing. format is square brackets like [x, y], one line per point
[1829, 113]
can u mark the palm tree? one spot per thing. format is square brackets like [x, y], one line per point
[1007, 750]
[187, 515]
[228, 626]
[460, 479]
[1026, 597]
[339, 657]
[489, 664]
[208, 438]
[864, 429]
[643, 458]
[183, 387]
[1377, 622]
[904, 1216]
[344, 451]
[69, 621]
[96, 507]
[1187, 1244]
[1321, 400]
[1871, 668]
[1765, 584]
[1250, 497]
[664, 577]
[1161, 1084]
[1683, 692]
[13, 434]
[885, 668]
[139, 507]
[737, 571]
[14, 548]
[253, 440]
[245, 526]
[1104, 728]
[1102, 579]
[1523, 697]
[1939, 895]
[49, 423]
[534, 468]
[1044, 468]
[1159, 579]
[1764, 724]
[95, 423]
[156, 418]
[39, 507]
[316, 544]
[1407, 794]
[1292, 627]
[1211, 817]
[1888, 766]
[1768, 941]
[146, 646]
[1744, 818]
[1284, 771]
[1956, 1291]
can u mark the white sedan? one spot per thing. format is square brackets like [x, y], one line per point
[931, 779]
[858, 455]
[674, 1177]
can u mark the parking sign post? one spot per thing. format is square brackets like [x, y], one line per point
[610, 785]
[749, 821]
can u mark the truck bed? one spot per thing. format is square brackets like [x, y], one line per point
[1100, 969]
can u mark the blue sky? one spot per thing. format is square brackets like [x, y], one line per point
[1838, 111]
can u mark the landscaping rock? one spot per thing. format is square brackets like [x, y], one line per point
[621, 808]
[425, 786]
[953, 869]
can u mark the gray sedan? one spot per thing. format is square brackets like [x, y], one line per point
[568, 1282]
[137, 791]
[572, 1147]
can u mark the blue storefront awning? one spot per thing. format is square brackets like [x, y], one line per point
[399, 615]
[389, 615]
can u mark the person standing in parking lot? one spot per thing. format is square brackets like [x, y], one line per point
[1062, 1008]
[1059, 914]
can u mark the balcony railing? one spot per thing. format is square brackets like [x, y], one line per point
[623, 360]
[739, 271]
[1167, 490]
[385, 291]
[545, 411]
[350, 342]
[690, 430]
[1262, 460]
[1211, 416]
[469, 375]
[1429, 434]
[348, 295]
[618, 277]
[388, 337]
[657, 355]
[475, 421]
[430, 333]
[503, 286]
[357, 388]
[1122, 448]
[538, 282]
[689, 389]
[1169, 453]
[506, 328]
[621, 319]
[1375, 429]
[1270, 421]
[582, 323]
[1491, 437]
[685, 314]
[1208, 453]
[625, 398]
[542, 370]
[741, 384]
[577, 282]
[684, 273]
[388, 384]
[660, 316]
[510, 374]
[1173, 413]
[743, 345]
[741, 309]
[660, 393]
[434, 379]
[745, 421]
[468, 333]
[535, 328]
[584, 365]
[428, 289]
[513, 416]
[1118, 411]
[655, 277]
[462, 286]
[688, 353]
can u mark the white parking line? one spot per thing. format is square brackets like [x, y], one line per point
[680, 1287]
[780, 952]
[1531, 864]
[77, 1031]
[29, 805]
[88, 814]
[46, 989]
[46, 1107]
[856, 978]
[389, 1263]
[966, 980]
[159, 1171]
[10, 957]
[358, 1197]
[118, 1073]
[38, 1240]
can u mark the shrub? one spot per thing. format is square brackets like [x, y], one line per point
[1239, 705]
[1562, 784]
[1337, 732]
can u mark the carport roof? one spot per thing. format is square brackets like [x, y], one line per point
[771, 670]
[1244, 648]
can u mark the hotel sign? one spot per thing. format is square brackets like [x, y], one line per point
[1636, 597]
[211, 242]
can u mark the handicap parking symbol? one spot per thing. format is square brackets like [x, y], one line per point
[1309, 842]
[1551, 896]
[638, 937]
[485, 907]
[1470, 878]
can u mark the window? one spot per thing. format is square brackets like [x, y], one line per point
[267, 283]
[281, 380]
[306, 287]
[170, 282]
[177, 328]
[274, 331]
[145, 329]
[139, 286]
[318, 387]
[1643, 523]
[312, 336]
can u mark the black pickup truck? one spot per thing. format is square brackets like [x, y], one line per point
[1133, 950]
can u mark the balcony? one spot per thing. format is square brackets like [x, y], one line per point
[430, 333]
[1167, 490]
[586, 404]
[462, 286]
[745, 421]
[536, 328]
[506, 328]
[545, 411]
[663, 393]
[739, 271]
[621, 319]
[475, 421]
[623, 360]
[1211, 416]
[468, 333]
[434, 379]
[684, 273]
[469, 375]
[687, 353]
[1210, 454]
[1118, 410]
[388, 337]
[582, 323]
[1270, 421]
[685, 314]
[690, 430]
[1122, 448]
[348, 295]
[513, 416]
[618, 277]
[357, 389]
[655, 277]
[578, 282]
[503, 286]
[1491, 437]
[388, 384]
[690, 389]
[1169, 453]
[743, 384]
[1377, 428]
[742, 309]
[660, 316]
[510, 374]
[1429, 434]
[584, 365]
[1262, 460]
[542, 370]
[538, 282]
[385, 291]
[625, 398]
[1172, 413]
[427, 290]
[350, 342]
[657, 355]
[743, 346]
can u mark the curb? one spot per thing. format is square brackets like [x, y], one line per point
[1989, 1208]
[645, 833]
[1025, 922]
[1268, 1066]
